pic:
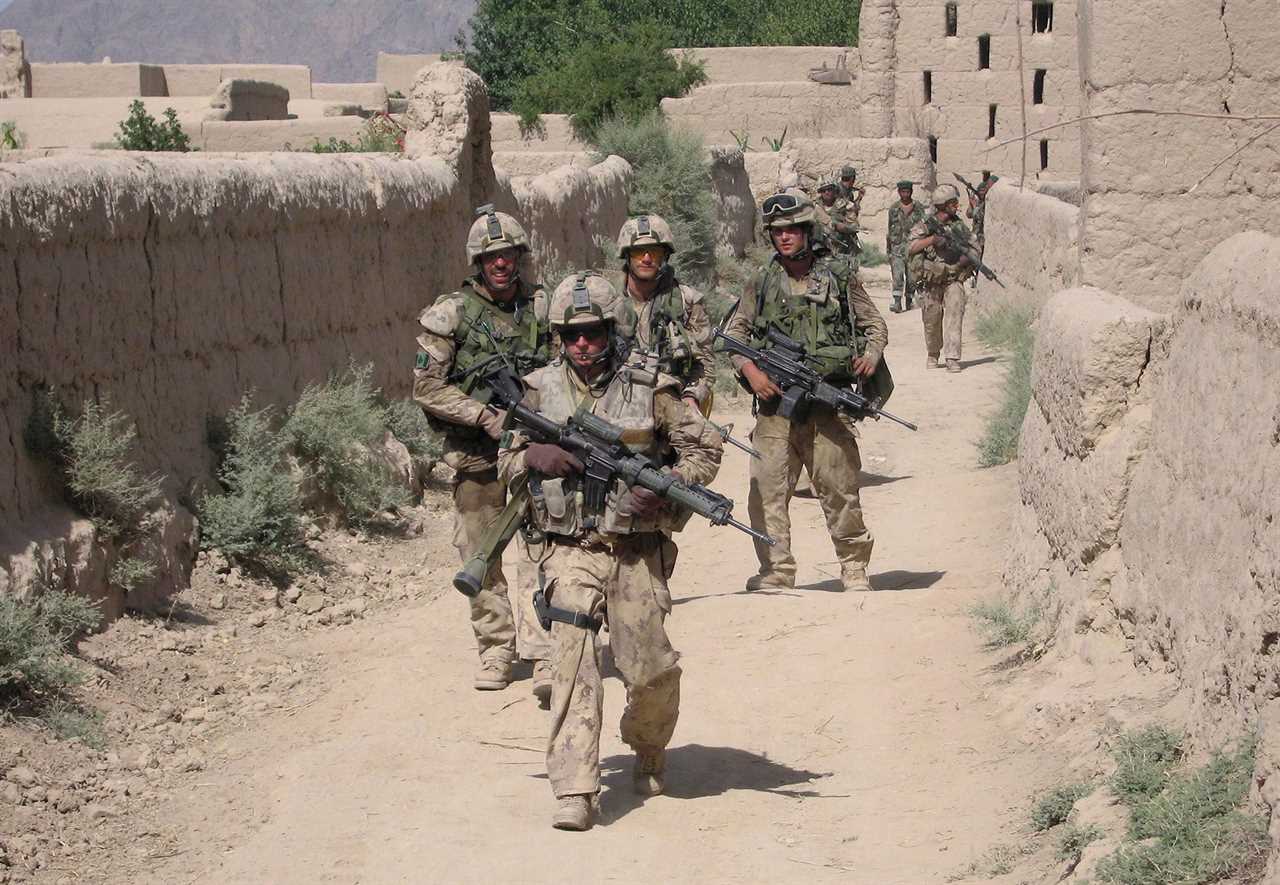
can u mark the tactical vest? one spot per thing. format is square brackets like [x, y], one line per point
[818, 319]
[934, 267]
[517, 334]
[559, 503]
[669, 347]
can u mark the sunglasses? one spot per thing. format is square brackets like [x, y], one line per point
[649, 251]
[570, 334]
[779, 204]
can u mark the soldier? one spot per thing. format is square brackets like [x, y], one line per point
[612, 567]
[978, 212]
[821, 303]
[672, 332]
[840, 227]
[850, 191]
[941, 274]
[828, 194]
[498, 310]
[903, 215]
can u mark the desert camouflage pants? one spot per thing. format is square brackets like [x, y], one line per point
[624, 580]
[825, 445]
[943, 315]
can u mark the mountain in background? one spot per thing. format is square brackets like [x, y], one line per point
[339, 39]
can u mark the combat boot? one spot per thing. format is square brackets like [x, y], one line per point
[953, 366]
[896, 307]
[931, 363]
[572, 813]
[649, 777]
[494, 673]
[770, 581]
[542, 672]
[854, 579]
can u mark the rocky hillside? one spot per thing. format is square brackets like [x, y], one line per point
[339, 40]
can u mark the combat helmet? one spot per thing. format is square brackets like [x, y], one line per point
[828, 184]
[584, 298]
[944, 194]
[494, 231]
[645, 230]
[788, 207]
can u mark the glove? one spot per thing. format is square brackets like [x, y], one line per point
[492, 421]
[550, 460]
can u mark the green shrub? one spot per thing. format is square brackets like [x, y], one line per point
[1074, 839]
[1002, 625]
[331, 428]
[405, 420]
[1007, 327]
[35, 635]
[1144, 759]
[1192, 830]
[142, 132]
[671, 178]
[10, 138]
[1055, 807]
[380, 134]
[257, 518]
[872, 256]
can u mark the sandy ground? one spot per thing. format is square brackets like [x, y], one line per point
[824, 736]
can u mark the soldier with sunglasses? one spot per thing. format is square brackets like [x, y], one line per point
[819, 302]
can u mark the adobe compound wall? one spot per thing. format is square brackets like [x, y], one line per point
[170, 285]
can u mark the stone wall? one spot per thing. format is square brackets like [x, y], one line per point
[763, 110]
[15, 73]
[73, 80]
[1147, 223]
[169, 285]
[244, 100]
[1032, 242]
[203, 79]
[768, 64]
[397, 72]
[367, 95]
[555, 135]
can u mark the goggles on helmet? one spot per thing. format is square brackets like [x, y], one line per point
[780, 204]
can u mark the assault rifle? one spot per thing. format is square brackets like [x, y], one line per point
[954, 247]
[598, 445]
[726, 433]
[973, 191]
[786, 365]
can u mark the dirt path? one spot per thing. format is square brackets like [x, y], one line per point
[823, 736]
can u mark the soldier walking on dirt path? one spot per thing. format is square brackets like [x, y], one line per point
[942, 274]
[672, 332]
[978, 212]
[609, 567]
[903, 216]
[497, 310]
[821, 303]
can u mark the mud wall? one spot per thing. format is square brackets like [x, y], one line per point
[760, 111]
[767, 64]
[1032, 242]
[170, 285]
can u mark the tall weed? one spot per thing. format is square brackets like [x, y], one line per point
[1007, 327]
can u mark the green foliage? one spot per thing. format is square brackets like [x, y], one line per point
[775, 144]
[1073, 840]
[671, 178]
[512, 42]
[70, 721]
[35, 635]
[1192, 830]
[623, 77]
[1055, 807]
[1144, 759]
[1007, 327]
[380, 135]
[407, 423]
[10, 138]
[743, 139]
[131, 572]
[332, 427]
[1002, 625]
[142, 132]
[256, 519]
[872, 256]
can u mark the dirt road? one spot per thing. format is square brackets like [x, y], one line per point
[823, 736]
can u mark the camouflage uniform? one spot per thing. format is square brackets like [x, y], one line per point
[901, 221]
[942, 278]
[831, 314]
[612, 567]
[453, 341]
[670, 330]
[844, 225]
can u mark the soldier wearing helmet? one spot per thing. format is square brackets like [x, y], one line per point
[850, 190]
[498, 310]
[838, 216]
[608, 566]
[672, 331]
[941, 272]
[819, 302]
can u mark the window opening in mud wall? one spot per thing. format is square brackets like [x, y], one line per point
[1041, 18]
[1044, 154]
[984, 51]
[928, 87]
[991, 120]
[933, 148]
[953, 19]
[1037, 87]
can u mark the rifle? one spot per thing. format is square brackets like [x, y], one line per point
[495, 540]
[973, 191]
[726, 434]
[957, 247]
[598, 445]
[784, 363]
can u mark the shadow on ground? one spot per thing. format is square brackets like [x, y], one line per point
[695, 771]
[884, 582]
[969, 364]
